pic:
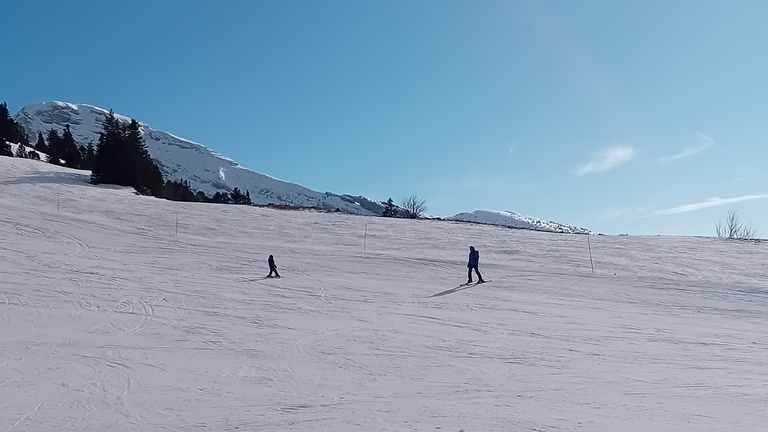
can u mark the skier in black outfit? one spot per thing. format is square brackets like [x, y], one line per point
[272, 267]
[474, 260]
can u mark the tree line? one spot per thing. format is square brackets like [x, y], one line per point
[120, 157]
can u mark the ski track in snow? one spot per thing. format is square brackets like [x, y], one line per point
[109, 320]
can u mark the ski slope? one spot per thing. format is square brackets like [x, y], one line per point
[128, 313]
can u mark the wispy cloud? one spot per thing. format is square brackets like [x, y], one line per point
[608, 159]
[702, 142]
[711, 202]
[617, 213]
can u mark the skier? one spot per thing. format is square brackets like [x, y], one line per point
[474, 260]
[272, 267]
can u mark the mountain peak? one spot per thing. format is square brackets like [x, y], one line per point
[514, 220]
[181, 159]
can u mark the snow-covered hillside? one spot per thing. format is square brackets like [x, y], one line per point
[209, 172]
[514, 220]
[121, 312]
[182, 159]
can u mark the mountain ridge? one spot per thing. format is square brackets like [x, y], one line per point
[179, 158]
[210, 172]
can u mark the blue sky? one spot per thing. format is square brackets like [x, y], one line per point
[616, 116]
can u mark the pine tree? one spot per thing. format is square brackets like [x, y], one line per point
[87, 156]
[220, 198]
[178, 191]
[21, 134]
[10, 131]
[149, 178]
[236, 196]
[21, 151]
[55, 150]
[106, 166]
[390, 209]
[122, 158]
[41, 146]
[5, 131]
[70, 152]
[6, 124]
[5, 148]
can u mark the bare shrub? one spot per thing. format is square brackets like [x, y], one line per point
[733, 228]
[413, 207]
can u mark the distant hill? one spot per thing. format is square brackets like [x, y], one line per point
[178, 159]
[514, 220]
[209, 172]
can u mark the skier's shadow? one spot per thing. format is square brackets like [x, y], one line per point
[453, 290]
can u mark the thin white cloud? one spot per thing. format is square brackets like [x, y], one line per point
[608, 159]
[703, 142]
[711, 202]
[617, 213]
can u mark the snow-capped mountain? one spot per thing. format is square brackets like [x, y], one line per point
[180, 159]
[207, 171]
[514, 220]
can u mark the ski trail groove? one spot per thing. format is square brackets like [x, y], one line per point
[26, 416]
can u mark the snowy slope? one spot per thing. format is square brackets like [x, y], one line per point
[514, 220]
[122, 313]
[181, 159]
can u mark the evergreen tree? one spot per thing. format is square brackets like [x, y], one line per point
[87, 156]
[5, 148]
[220, 198]
[236, 197]
[41, 146]
[21, 134]
[55, 149]
[10, 131]
[70, 152]
[107, 167]
[122, 158]
[390, 209]
[178, 191]
[5, 124]
[21, 151]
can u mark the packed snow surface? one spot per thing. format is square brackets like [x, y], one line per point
[121, 312]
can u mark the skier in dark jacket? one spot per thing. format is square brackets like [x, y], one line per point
[474, 260]
[272, 267]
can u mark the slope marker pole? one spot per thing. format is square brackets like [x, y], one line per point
[590, 254]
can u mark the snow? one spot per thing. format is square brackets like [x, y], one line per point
[514, 220]
[122, 312]
[181, 159]
[207, 171]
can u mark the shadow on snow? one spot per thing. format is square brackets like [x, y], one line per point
[453, 290]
